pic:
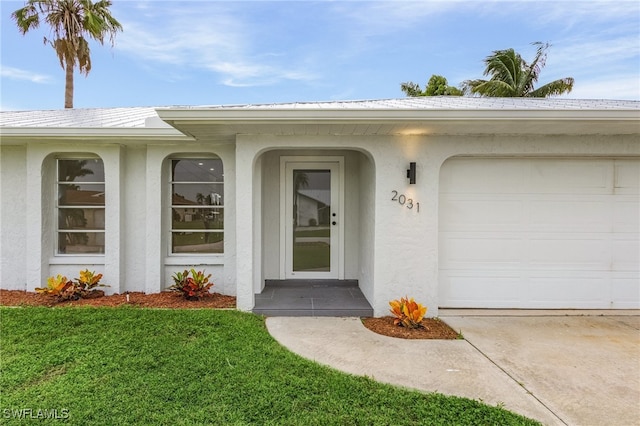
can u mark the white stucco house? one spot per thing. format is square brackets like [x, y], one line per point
[517, 203]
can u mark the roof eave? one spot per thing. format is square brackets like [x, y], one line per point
[13, 134]
[340, 115]
[228, 122]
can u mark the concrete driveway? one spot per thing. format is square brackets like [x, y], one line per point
[578, 369]
[584, 369]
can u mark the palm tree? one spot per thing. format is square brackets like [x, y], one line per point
[71, 21]
[512, 76]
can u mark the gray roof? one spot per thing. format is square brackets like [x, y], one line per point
[83, 118]
[451, 103]
[146, 117]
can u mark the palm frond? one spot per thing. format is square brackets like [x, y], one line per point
[503, 65]
[511, 76]
[539, 60]
[531, 72]
[83, 54]
[468, 86]
[556, 87]
[26, 18]
[495, 89]
[411, 89]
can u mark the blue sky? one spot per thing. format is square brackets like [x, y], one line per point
[239, 52]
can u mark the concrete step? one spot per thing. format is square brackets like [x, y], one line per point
[312, 298]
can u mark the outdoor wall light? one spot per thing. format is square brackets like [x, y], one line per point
[411, 173]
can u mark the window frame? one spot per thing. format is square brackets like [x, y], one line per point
[171, 206]
[58, 208]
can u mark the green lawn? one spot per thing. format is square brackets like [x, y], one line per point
[131, 366]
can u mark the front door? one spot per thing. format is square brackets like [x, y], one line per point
[313, 227]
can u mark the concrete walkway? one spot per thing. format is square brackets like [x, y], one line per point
[573, 370]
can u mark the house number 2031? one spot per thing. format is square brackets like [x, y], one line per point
[404, 201]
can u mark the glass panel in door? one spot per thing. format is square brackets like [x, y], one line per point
[311, 220]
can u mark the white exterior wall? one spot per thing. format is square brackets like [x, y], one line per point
[134, 211]
[404, 256]
[392, 250]
[13, 187]
[381, 239]
[136, 225]
[270, 220]
[366, 226]
[160, 265]
[411, 242]
[40, 199]
[248, 264]
[398, 246]
[259, 155]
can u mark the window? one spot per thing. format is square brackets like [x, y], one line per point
[197, 206]
[80, 206]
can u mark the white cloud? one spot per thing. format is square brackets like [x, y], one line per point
[609, 87]
[572, 13]
[206, 38]
[379, 17]
[602, 66]
[601, 50]
[19, 74]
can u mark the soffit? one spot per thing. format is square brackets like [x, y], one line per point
[211, 124]
[410, 116]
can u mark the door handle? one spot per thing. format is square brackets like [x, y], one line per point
[334, 223]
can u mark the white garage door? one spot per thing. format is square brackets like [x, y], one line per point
[539, 233]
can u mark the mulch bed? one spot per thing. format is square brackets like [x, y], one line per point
[165, 299]
[432, 328]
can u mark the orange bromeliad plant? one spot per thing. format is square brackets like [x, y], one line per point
[64, 289]
[58, 287]
[408, 313]
[89, 279]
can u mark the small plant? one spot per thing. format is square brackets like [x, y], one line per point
[89, 280]
[192, 288]
[64, 289]
[59, 287]
[87, 283]
[407, 312]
